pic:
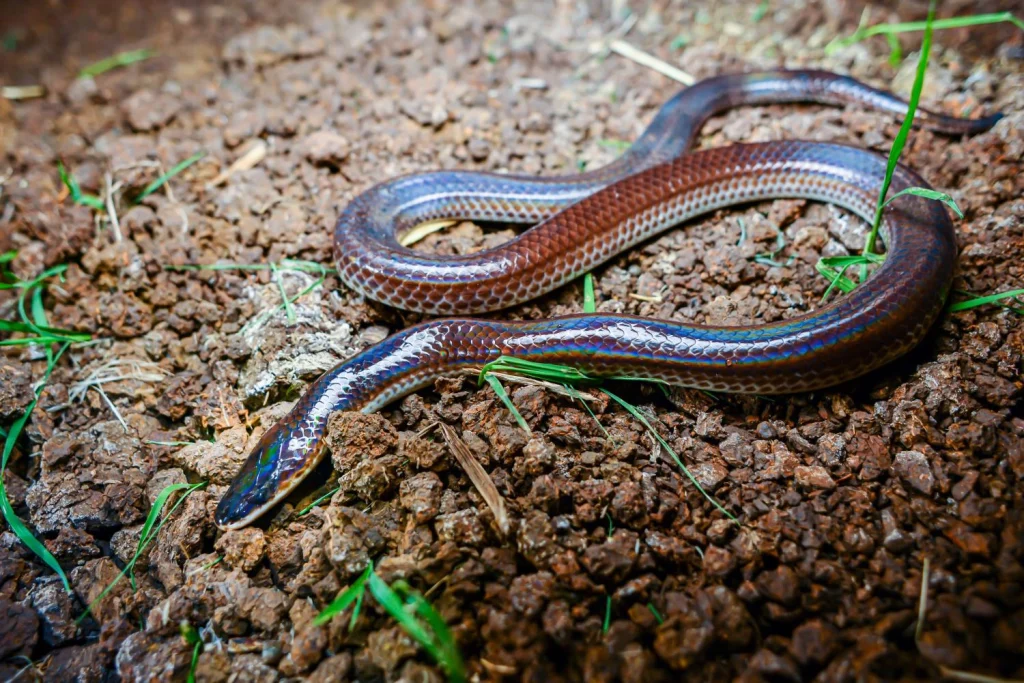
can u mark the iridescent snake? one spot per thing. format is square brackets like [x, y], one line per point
[584, 220]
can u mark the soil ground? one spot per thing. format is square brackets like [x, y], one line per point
[843, 495]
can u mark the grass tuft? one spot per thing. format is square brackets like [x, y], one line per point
[152, 526]
[769, 259]
[75, 191]
[835, 268]
[34, 324]
[115, 62]
[352, 594]
[891, 30]
[192, 637]
[162, 180]
[412, 612]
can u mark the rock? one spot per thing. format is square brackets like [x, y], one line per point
[814, 477]
[463, 527]
[813, 643]
[325, 148]
[308, 647]
[737, 451]
[332, 669]
[389, 647]
[687, 632]
[478, 149]
[421, 496]
[15, 390]
[628, 506]
[774, 667]
[831, 449]
[353, 437]
[95, 479]
[56, 609]
[219, 461]
[529, 594]
[670, 549]
[143, 658]
[718, 561]
[779, 585]
[161, 480]
[915, 470]
[126, 315]
[147, 110]
[349, 537]
[19, 629]
[242, 548]
[613, 560]
[709, 474]
[79, 663]
[82, 89]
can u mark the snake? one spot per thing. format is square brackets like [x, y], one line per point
[581, 221]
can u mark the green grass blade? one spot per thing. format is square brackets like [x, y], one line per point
[54, 333]
[617, 145]
[657, 615]
[116, 61]
[75, 192]
[632, 410]
[351, 594]
[908, 121]
[452, 661]
[503, 395]
[138, 553]
[162, 180]
[146, 534]
[13, 521]
[437, 642]
[914, 26]
[30, 541]
[769, 258]
[8, 256]
[990, 299]
[928, 194]
[895, 51]
[356, 611]
[607, 615]
[305, 511]
[395, 606]
[589, 302]
[551, 372]
[576, 396]
[192, 637]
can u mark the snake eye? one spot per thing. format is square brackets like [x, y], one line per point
[256, 486]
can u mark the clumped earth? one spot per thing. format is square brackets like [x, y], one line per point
[843, 495]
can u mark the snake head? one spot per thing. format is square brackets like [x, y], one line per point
[280, 460]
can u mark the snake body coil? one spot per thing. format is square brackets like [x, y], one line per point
[586, 219]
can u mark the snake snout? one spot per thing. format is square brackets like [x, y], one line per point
[257, 486]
